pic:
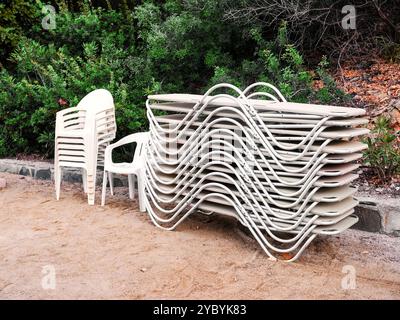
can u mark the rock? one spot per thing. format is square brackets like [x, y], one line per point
[118, 182]
[9, 166]
[3, 183]
[72, 176]
[24, 171]
[43, 174]
[369, 217]
[392, 221]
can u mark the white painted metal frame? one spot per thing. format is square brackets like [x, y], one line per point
[282, 169]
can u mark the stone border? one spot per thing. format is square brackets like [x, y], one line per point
[45, 171]
[379, 215]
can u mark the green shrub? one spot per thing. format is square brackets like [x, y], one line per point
[280, 63]
[48, 78]
[383, 153]
[169, 46]
[16, 16]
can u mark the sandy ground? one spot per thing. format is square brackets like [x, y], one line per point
[114, 252]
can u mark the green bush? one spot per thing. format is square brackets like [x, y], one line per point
[383, 153]
[52, 75]
[169, 46]
[280, 63]
[16, 16]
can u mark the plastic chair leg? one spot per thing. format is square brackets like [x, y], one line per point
[141, 194]
[104, 189]
[131, 184]
[84, 180]
[57, 180]
[111, 181]
[91, 189]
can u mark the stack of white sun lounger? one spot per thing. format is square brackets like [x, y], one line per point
[283, 169]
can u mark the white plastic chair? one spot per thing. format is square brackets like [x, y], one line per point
[82, 133]
[133, 169]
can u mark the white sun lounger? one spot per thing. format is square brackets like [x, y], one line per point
[276, 166]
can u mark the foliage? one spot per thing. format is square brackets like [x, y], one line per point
[320, 25]
[383, 153]
[391, 51]
[280, 63]
[15, 18]
[51, 76]
[158, 46]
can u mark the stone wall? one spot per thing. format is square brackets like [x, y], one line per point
[45, 171]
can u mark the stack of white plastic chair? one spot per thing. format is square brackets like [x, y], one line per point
[82, 134]
[282, 169]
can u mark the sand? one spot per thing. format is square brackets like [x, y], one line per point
[115, 252]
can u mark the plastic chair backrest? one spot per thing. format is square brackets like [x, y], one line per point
[141, 139]
[97, 100]
[99, 107]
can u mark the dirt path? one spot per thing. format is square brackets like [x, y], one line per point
[115, 252]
